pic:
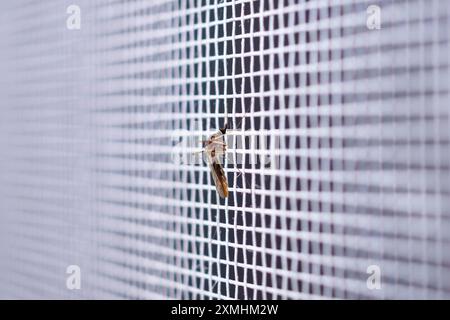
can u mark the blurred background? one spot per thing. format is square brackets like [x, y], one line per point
[97, 100]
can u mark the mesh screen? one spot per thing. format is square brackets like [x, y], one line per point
[337, 150]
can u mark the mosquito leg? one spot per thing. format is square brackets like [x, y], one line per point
[219, 143]
[219, 137]
[196, 153]
[243, 116]
[240, 172]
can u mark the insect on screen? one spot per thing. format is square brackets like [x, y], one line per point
[336, 157]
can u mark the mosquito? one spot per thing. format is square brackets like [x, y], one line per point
[215, 147]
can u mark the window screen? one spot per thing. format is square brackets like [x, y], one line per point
[337, 160]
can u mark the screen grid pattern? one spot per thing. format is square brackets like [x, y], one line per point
[337, 157]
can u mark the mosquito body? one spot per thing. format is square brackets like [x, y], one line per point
[215, 147]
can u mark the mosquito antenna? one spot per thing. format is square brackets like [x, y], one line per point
[226, 115]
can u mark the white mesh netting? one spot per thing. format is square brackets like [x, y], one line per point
[338, 157]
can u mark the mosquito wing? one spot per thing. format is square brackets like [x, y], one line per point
[219, 177]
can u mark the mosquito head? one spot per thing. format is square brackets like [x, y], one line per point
[224, 129]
